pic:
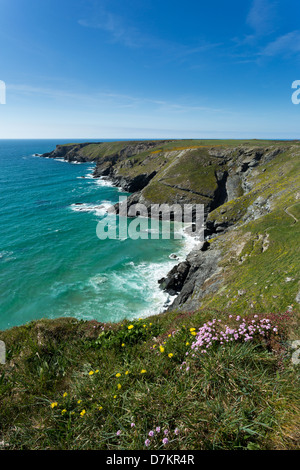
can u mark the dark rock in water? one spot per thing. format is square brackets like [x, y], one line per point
[174, 281]
[203, 246]
[78, 203]
[173, 256]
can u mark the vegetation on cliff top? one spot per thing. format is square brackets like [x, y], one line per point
[71, 384]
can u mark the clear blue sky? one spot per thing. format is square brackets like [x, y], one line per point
[149, 68]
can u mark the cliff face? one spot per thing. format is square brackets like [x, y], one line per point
[250, 260]
[250, 191]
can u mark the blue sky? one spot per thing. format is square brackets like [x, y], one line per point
[149, 68]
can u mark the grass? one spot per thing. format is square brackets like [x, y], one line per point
[101, 378]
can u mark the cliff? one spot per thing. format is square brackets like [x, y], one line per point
[251, 195]
[206, 378]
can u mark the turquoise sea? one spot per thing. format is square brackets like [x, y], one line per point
[51, 262]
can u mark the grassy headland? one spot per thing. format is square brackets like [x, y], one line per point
[71, 384]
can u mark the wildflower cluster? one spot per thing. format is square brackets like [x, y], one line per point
[213, 332]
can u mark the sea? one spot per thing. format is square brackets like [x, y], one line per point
[52, 264]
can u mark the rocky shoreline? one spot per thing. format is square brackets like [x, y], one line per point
[153, 175]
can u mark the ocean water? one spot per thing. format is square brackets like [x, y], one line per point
[51, 262]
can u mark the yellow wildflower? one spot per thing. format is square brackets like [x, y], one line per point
[130, 327]
[187, 343]
[192, 329]
[115, 396]
[161, 348]
[65, 394]
[100, 408]
[63, 412]
[96, 371]
[82, 413]
[118, 374]
[91, 372]
[170, 355]
[123, 344]
[127, 372]
[143, 371]
[79, 401]
[54, 404]
[119, 386]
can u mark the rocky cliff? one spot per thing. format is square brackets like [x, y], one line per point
[251, 195]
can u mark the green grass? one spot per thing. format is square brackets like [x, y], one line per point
[241, 396]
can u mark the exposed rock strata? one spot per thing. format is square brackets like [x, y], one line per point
[70, 153]
[164, 177]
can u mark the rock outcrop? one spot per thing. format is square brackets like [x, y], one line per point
[70, 152]
[221, 177]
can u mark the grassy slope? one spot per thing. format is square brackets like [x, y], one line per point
[263, 274]
[246, 267]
